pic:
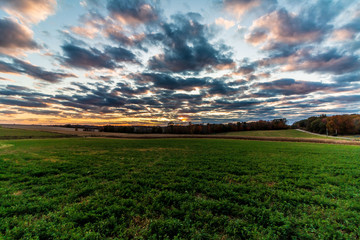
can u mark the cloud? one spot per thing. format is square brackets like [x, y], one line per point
[87, 59]
[121, 54]
[187, 47]
[97, 100]
[8, 112]
[167, 82]
[22, 103]
[342, 34]
[241, 7]
[14, 90]
[348, 78]
[15, 38]
[40, 112]
[348, 31]
[225, 23]
[289, 86]
[206, 85]
[91, 25]
[132, 12]
[20, 67]
[117, 34]
[246, 69]
[126, 89]
[341, 99]
[282, 27]
[29, 11]
[327, 62]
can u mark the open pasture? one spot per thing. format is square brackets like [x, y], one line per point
[178, 188]
[288, 133]
[13, 133]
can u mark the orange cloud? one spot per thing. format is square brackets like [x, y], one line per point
[29, 11]
[225, 23]
[238, 8]
[342, 35]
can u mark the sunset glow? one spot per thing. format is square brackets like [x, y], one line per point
[147, 62]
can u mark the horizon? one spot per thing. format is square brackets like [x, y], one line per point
[150, 62]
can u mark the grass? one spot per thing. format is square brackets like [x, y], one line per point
[178, 189]
[292, 133]
[11, 133]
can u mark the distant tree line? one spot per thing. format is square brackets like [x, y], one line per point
[173, 128]
[333, 125]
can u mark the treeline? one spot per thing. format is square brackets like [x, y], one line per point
[333, 125]
[172, 128]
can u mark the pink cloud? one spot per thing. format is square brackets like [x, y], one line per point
[342, 34]
[225, 23]
[282, 27]
[29, 11]
[239, 7]
[132, 12]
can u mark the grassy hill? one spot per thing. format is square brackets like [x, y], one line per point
[178, 188]
[288, 133]
[10, 133]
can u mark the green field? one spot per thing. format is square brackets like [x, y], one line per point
[289, 133]
[11, 133]
[178, 188]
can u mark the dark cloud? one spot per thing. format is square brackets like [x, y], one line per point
[22, 103]
[86, 59]
[98, 98]
[328, 62]
[233, 105]
[14, 90]
[348, 78]
[21, 67]
[168, 82]
[121, 54]
[246, 69]
[15, 37]
[187, 47]
[6, 67]
[83, 58]
[40, 112]
[39, 73]
[219, 87]
[126, 89]
[289, 86]
[206, 85]
[133, 12]
[8, 112]
[341, 99]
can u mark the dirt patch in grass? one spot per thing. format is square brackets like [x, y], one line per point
[2, 146]
[151, 149]
[52, 159]
[270, 184]
[17, 193]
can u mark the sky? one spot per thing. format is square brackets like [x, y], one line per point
[148, 62]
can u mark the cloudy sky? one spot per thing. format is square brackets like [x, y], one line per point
[150, 62]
